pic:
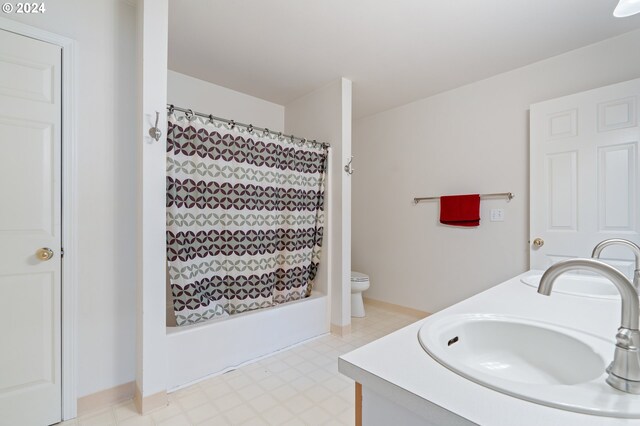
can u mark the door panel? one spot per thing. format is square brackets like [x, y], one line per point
[30, 219]
[584, 174]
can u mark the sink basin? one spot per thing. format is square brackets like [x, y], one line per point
[578, 285]
[530, 360]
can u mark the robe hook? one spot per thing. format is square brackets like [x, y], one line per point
[155, 131]
[348, 167]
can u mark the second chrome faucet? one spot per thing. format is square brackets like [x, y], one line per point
[625, 243]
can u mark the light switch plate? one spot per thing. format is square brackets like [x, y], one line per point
[497, 215]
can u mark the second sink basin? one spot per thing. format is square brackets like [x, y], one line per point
[531, 360]
[578, 285]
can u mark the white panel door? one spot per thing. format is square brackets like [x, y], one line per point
[584, 175]
[30, 148]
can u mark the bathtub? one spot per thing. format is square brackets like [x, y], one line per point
[197, 351]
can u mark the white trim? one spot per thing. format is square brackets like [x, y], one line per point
[69, 207]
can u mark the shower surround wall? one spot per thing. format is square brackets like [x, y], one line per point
[473, 139]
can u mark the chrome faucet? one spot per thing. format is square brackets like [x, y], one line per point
[620, 242]
[624, 371]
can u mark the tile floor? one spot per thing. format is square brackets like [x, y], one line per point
[297, 386]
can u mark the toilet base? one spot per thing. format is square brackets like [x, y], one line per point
[357, 305]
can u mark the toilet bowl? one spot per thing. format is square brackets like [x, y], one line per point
[359, 283]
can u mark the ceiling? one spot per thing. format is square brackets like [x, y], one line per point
[394, 51]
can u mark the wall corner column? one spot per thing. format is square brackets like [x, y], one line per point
[151, 363]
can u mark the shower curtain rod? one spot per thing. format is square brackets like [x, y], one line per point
[171, 108]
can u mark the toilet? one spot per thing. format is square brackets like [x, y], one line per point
[359, 283]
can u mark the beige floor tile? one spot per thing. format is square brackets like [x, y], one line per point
[298, 404]
[302, 384]
[335, 405]
[277, 415]
[271, 383]
[349, 416]
[317, 393]
[193, 400]
[306, 367]
[137, 421]
[202, 412]
[315, 416]
[295, 422]
[293, 359]
[277, 366]
[283, 393]
[227, 402]
[259, 374]
[335, 422]
[164, 413]
[101, 418]
[250, 392]
[240, 414]
[179, 420]
[263, 402]
[217, 389]
[256, 421]
[320, 375]
[124, 411]
[239, 382]
[335, 384]
[289, 375]
[216, 421]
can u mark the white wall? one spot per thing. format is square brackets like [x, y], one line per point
[325, 115]
[189, 92]
[107, 161]
[473, 139]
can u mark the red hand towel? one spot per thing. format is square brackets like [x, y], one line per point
[460, 210]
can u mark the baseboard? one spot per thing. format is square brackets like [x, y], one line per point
[396, 308]
[151, 402]
[341, 330]
[105, 398]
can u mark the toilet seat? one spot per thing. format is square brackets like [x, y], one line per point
[358, 277]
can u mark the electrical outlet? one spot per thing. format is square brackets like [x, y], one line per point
[497, 215]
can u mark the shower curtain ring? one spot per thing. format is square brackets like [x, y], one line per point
[189, 114]
[293, 139]
[266, 132]
[233, 124]
[250, 128]
[211, 118]
[279, 136]
[171, 109]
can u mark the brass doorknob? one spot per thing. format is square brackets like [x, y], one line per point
[44, 253]
[538, 242]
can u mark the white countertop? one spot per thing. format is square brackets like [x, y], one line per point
[396, 366]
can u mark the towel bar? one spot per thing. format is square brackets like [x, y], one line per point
[509, 196]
